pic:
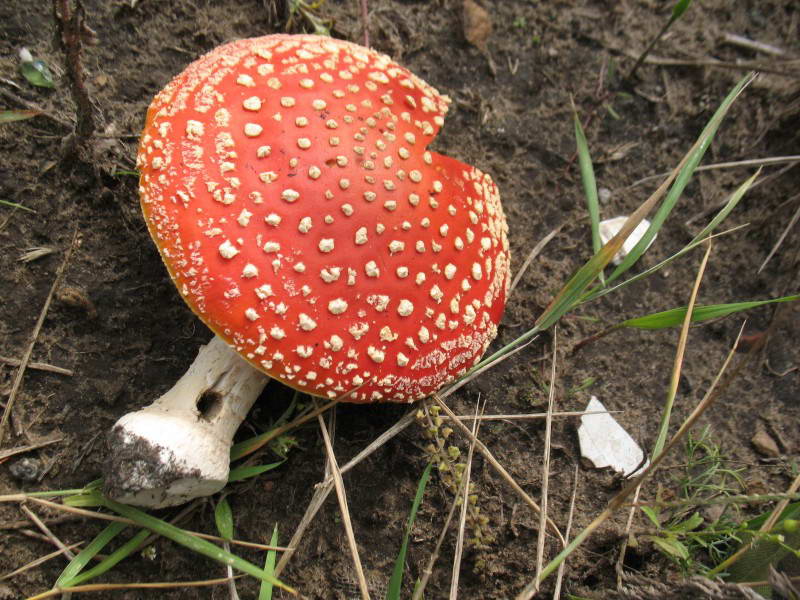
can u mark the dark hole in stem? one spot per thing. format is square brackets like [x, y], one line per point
[209, 405]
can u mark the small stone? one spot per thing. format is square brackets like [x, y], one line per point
[765, 445]
[26, 469]
[76, 298]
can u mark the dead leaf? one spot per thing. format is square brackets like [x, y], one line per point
[477, 24]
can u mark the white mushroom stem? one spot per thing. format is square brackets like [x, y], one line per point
[178, 448]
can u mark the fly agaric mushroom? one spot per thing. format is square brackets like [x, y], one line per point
[287, 184]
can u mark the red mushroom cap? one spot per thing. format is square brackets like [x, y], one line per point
[286, 182]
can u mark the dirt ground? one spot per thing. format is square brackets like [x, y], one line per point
[119, 326]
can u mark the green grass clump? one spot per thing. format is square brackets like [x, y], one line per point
[684, 535]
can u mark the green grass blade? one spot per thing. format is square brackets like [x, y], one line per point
[9, 116]
[84, 500]
[37, 73]
[396, 582]
[680, 7]
[193, 543]
[223, 517]
[265, 592]
[16, 205]
[792, 511]
[110, 561]
[77, 564]
[570, 295]
[707, 231]
[246, 471]
[47, 494]
[589, 183]
[674, 317]
[755, 563]
[686, 172]
[249, 445]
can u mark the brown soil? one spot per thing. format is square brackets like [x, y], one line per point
[119, 325]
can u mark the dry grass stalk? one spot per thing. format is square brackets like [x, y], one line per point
[546, 462]
[40, 560]
[497, 466]
[346, 520]
[560, 574]
[46, 530]
[464, 494]
[104, 587]
[26, 357]
[532, 255]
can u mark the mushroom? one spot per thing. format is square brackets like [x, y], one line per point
[287, 184]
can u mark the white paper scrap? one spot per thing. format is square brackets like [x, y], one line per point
[605, 443]
[610, 227]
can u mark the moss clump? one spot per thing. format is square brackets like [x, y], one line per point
[450, 465]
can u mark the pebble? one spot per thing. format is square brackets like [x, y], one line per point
[26, 469]
[765, 445]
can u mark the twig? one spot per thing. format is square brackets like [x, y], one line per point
[783, 235]
[680, 353]
[34, 535]
[45, 530]
[71, 30]
[533, 254]
[15, 362]
[734, 164]
[20, 449]
[720, 64]
[497, 466]
[40, 560]
[344, 510]
[22, 524]
[26, 357]
[744, 42]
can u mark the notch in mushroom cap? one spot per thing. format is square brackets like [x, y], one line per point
[287, 183]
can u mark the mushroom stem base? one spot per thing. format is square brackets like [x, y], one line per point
[178, 448]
